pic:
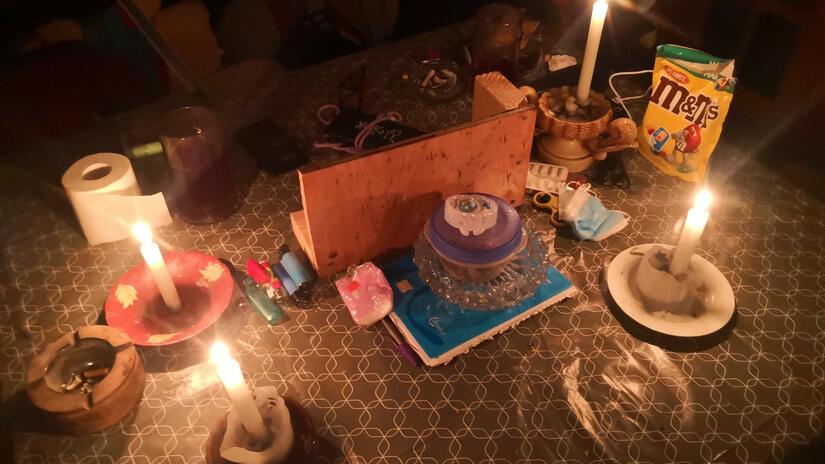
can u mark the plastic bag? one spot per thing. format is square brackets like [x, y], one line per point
[688, 105]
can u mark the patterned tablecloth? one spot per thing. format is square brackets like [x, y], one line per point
[570, 385]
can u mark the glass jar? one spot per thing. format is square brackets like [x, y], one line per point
[203, 188]
[496, 40]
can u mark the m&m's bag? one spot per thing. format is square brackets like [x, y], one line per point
[688, 104]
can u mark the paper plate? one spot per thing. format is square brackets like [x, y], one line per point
[719, 305]
[134, 304]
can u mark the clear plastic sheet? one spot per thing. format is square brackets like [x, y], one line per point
[575, 383]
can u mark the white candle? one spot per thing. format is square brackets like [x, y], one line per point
[229, 371]
[157, 266]
[594, 36]
[695, 222]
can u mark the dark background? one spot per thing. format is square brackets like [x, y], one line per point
[778, 46]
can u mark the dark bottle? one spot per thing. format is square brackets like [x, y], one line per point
[496, 40]
[203, 187]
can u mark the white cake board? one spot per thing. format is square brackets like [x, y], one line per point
[719, 304]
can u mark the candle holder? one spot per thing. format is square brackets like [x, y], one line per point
[576, 135]
[699, 303]
[135, 306]
[303, 444]
[86, 381]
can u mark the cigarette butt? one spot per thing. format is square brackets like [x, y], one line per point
[94, 373]
[427, 79]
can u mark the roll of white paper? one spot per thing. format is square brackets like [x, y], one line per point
[106, 198]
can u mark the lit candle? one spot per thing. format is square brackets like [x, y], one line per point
[594, 36]
[229, 371]
[695, 222]
[157, 266]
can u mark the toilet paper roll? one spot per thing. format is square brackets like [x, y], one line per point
[106, 198]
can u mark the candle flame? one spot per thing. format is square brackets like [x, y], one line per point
[703, 199]
[600, 8]
[142, 232]
[219, 353]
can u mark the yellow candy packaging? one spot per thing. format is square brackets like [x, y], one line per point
[690, 97]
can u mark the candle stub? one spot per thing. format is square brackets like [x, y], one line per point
[157, 266]
[695, 222]
[229, 372]
[658, 288]
[235, 447]
[594, 36]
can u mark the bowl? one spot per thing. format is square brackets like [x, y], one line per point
[551, 119]
[442, 69]
[517, 281]
[478, 253]
[483, 271]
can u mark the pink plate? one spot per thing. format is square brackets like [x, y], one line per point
[135, 306]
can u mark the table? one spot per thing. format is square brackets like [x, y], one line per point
[569, 385]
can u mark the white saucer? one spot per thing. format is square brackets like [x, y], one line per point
[719, 303]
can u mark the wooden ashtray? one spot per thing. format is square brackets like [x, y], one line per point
[86, 381]
[303, 448]
[585, 124]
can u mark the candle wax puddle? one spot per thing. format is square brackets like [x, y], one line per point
[696, 308]
[588, 113]
[260, 445]
[160, 319]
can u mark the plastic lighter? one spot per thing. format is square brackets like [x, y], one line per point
[263, 276]
[300, 295]
[256, 295]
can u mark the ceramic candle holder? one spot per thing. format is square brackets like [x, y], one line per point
[659, 289]
[135, 306]
[575, 136]
[292, 433]
[699, 303]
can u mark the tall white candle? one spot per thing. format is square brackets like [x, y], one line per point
[229, 371]
[692, 230]
[157, 266]
[594, 36]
